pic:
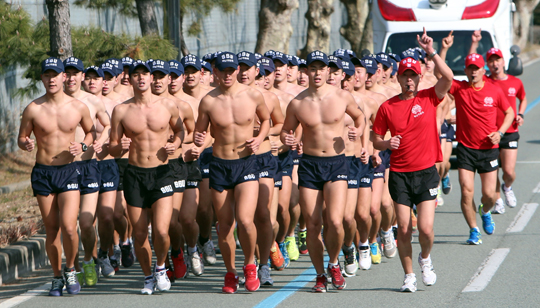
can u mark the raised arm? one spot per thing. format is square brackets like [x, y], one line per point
[476, 38]
[447, 42]
[445, 80]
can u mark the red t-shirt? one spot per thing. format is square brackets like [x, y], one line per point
[415, 120]
[476, 113]
[513, 88]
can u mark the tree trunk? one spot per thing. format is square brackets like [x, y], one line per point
[172, 26]
[367, 36]
[183, 46]
[60, 29]
[319, 26]
[522, 22]
[147, 17]
[357, 14]
[275, 28]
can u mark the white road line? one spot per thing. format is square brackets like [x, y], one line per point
[522, 217]
[17, 300]
[536, 189]
[528, 162]
[487, 270]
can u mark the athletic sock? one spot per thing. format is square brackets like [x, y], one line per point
[302, 230]
[476, 228]
[102, 253]
[160, 268]
[192, 250]
[126, 242]
[148, 277]
[332, 264]
[87, 262]
[507, 188]
[386, 232]
[203, 240]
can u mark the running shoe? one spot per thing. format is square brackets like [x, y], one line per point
[302, 242]
[334, 272]
[80, 278]
[162, 282]
[195, 263]
[208, 252]
[285, 254]
[375, 253]
[389, 244]
[252, 283]
[475, 238]
[264, 275]
[498, 208]
[409, 283]
[179, 266]
[487, 221]
[57, 286]
[114, 264]
[509, 195]
[365, 258]
[276, 258]
[446, 185]
[106, 268]
[116, 257]
[90, 275]
[72, 284]
[170, 274]
[292, 248]
[321, 284]
[127, 255]
[439, 201]
[149, 286]
[350, 264]
[428, 273]
[231, 283]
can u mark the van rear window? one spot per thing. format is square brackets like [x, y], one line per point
[455, 57]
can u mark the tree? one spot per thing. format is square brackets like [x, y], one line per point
[522, 22]
[319, 26]
[275, 28]
[60, 28]
[147, 17]
[357, 15]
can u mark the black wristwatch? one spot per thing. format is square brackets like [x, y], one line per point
[521, 115]
[84, 147]
[501, 133]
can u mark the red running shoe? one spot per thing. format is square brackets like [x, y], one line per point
[231, 283]
[276, 258]
[320, 284]
[252, 283]
[170, 274]
[179, 266]
[338, 282]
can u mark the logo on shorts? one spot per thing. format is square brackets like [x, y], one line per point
[365, 180]
[512, 91]
[433, 191]
[166, 189]
[352, 182]
[73, 186]
[513, 144]
[378, 174]
[488, 101]
[249, 177]
[277, 183]
[494, 163]
[192, 183]
[263, 174]
[342, 176]
[108, 184]
[180, 184]
[93, 185]
[206, 171]
[417, 110]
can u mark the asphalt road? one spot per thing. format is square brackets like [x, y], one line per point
[501, 272]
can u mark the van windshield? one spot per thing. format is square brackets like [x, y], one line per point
[455, 57]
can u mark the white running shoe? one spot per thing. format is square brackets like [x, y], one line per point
[264, 275]
[162, 282]
[409, 283]
[498, 208]
[365, 257]
[208, 251]
[511, 200]
[106, 268]
[389, 249]
[149, 286]
[195, 264]
[428, 274]
[350, 265]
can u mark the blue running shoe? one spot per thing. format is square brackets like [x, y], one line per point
[487, 221]
[285, 254]
[72, 284]
[446, 185]
[475, 238]
[57, 286]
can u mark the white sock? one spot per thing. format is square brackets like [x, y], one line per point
[476, 228]
[507, 188]
[365, 244]
[159, 268]
[332, 264]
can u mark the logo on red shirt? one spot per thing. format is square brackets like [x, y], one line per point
[488, 102]
[512, 91]
[417, 110]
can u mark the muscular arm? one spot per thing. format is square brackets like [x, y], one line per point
[277, 118]
[25, 130]
[263, 114]
[189, 120]
[508, 119]
[356, 113]
[87, 124]
[290, 123]
[104, 119]
[203, 120]
[379, 143]
[117, 131]
[176, 123]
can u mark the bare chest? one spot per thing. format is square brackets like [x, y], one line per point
[53, 120]
[140, 120]
[325, 112]
[226, 112]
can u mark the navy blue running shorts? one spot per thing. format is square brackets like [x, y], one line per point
[144, 186]
[89, 176]
[110, 176]
[48, 180]
[354, 168]
[365, 174]
[204, 162]
[286, 163]
[226, 174]
[314, 171]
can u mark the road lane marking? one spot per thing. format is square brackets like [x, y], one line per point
[532, 105]
[17, 300]
[528, 162]
[522, 217]
[536, 189]
[487, 270]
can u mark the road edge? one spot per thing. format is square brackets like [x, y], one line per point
[22, 257]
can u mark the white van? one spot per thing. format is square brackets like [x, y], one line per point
[397, 22]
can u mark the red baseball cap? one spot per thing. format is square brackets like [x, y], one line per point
[494, 51]
[409, 64]
[474, 59]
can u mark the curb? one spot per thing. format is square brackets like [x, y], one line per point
[22, 257]
[530, 56]
[14, 187]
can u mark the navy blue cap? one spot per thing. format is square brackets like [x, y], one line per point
[267, 64]
[342, 54]
[335, 62]
[293, 60]
[258, 56]
[421, 53]
[54, 64]
[281, 57]
[409, 53]
[317, 55]
[373, 57]
[351, 53]
[207, 66]
[261, 71]
[73, 62]
[135, 65]
[208, 57]
[302, 63]
[95, 69]
[176, 67]
[246, 57]
[149, 61]
[160, 66]
[348, 67]
[116, 63]
[384, 59]
[191, 60]
[126, 61]
[214, 56]
[370, 64]
[394, 56]
[394, 67]
[269, 54]
[226, 60]
[108, 67]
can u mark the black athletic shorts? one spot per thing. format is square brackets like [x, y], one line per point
[411, 188]
[267, 164]
[194, 176]
[110, 177]
[365, 174]
[89, 176]
[354, 169]
[509, 141]
[204, 162]
[480, 161]
[444, 130]
[451, 133]
[286, 164]
[144, 186]
[48, 180]
[296, 157]
[315, 171]
[226, 174]
[180, 173]
[122, 164]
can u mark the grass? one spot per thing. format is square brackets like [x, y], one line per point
[16, 167]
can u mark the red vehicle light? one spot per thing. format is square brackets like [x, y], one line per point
[485, 9]
[392, 12]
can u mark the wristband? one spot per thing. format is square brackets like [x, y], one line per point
[521, 115]
[433, 54]
[501, 133]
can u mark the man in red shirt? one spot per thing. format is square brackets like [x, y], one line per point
[478, 134]
[411, 118]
